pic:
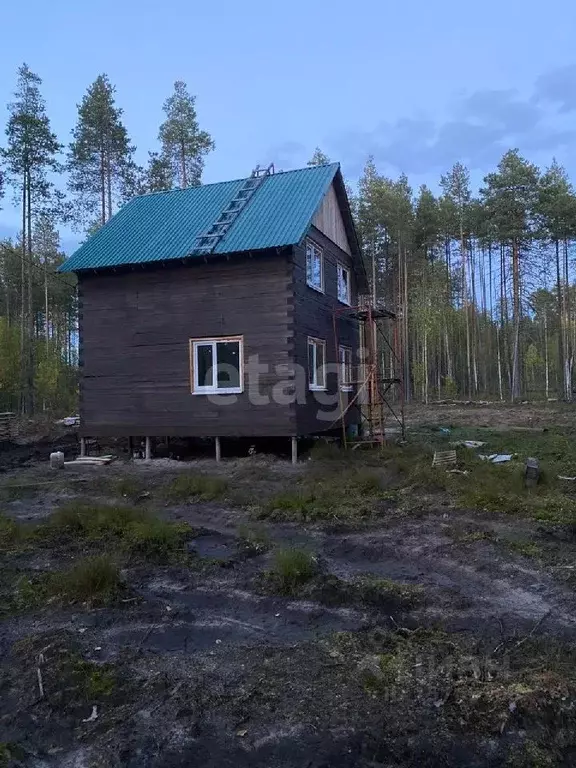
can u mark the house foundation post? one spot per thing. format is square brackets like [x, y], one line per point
[148, 449]
[294, 450]
[218, 448]
[82, 446]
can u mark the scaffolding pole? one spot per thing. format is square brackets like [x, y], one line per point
[378, 391]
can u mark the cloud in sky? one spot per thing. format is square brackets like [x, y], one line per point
[480, 126]
[288, 154]
[557, 87]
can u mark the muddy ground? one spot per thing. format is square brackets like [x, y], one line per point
[429, 632]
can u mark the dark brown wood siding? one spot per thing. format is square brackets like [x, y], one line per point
[134, 347]
[313, 317]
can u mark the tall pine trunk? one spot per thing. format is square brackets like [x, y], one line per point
[29, 312]
[23, 305]
[102, 185]
[568, 337]
[465, 307]
[516, 381]
[183, 175]
[560, 305]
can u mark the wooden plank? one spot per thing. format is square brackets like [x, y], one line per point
[135, 329]
[329, 221]
[313, 316]
[444, 458]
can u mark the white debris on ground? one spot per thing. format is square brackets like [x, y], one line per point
[69, 421]
[497, 458]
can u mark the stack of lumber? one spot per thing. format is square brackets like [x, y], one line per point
[90, 461]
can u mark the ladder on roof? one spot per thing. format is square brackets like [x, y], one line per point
[207, 242]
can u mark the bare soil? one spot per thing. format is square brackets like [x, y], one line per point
[196, 665]
[491, 414]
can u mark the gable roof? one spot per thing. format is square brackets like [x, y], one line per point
[165, 225]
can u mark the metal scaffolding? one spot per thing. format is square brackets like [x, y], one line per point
[378, 388]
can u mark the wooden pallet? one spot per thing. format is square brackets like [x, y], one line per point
[444, 458]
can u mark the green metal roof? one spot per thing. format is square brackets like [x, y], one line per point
[166, 225]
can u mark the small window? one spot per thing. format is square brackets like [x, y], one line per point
[316, 364]
[345, 372]
[216, 365]
[314, 266]
[343, 284]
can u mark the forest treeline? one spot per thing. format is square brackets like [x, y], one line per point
[481, 279]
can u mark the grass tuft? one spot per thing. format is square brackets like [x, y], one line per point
[131, 530]
[254, 537]
[94, 580]
[291, 569]
[93, 520]
[12, 534]
[155, 539]
[196, 486]
[379, 592]
[348, 493]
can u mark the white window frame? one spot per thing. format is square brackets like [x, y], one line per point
[318, 384]
[346, 369]
[316, 249]
[213, 341]
[340, 268]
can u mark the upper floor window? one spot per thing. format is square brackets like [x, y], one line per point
[216, 365]
[314, 266]
[343, 284]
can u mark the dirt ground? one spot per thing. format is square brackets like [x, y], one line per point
[429, 632]
[492, 414]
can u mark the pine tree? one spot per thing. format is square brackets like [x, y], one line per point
[184, 145]
[456, 187]
[46, 243]
[100, 157]
[318, 158]
[556, 209]
[158, 176]
[510, 197]
[30, 154]
[427, 223]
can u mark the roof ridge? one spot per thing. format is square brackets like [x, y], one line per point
[161, 228]
[229, 181]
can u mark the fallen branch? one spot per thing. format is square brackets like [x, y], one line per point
[534, 628]
[39, 675]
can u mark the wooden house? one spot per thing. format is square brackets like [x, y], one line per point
[210, 311]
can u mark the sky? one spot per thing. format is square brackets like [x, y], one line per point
[419, 84]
